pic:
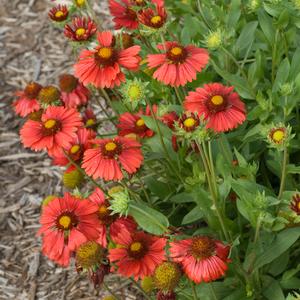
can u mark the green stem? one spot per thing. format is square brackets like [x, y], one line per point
[283, 173]
[202, 14]
[274, 50]
[178, 95]
[144, 190]
[111, 119]
[110, 291]
[195, 296]
[212, 290]
[258, 223]
[140, 288]
[107, 98]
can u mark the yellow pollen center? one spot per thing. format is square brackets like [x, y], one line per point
[80, 2]
[50, 124]
[176, 51]
[59, 14]
[111, 146]
[80, 31]
[90, 122]
[105, 52]
[140, 122]
[137, 246]
[278, 135]
[134, 92]
[75, 149]
[155, 19]
[189, 122]
[217, 100]
[102, 209]
[64, 221]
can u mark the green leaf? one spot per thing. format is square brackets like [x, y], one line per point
[272, 289]
[148, 218]
[150, 123]
[282, 74]
[266, 25]
[283, 241]
[194, 215]
[158, 188]
[295, 66]
[247, 36]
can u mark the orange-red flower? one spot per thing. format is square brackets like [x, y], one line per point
[111, 157]
[56, 129]
[169, 119]
[178, 64]
[59, 13]
[202, 258]
[81, 29]
[101, 67]
[133, 123]
[153, 18]
[116, 224]
[73, 93]
[27, 101]
[66, 223]
[138, 253]
[219, 105]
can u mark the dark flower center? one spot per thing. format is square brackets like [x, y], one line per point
[217, 103]
[177, 54]
[50, 127]
[66, 221]
[104, 214]
[111, 149]
[67, 82]
[137, 249]
[32, 90]
[106, 56]
[202, 247]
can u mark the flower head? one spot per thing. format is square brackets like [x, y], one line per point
[295, 204]
[101, 66]
[202, 258]
[81, 29]
[214, 40]
[73, 93]
[119, 203]
[27, 102]
[72, 178]
[80, 3]
[49, 95]
[89, 119]
[59, 13]
[137, 254]
[161, 295]
[219, 105]
[112, 157]
[66, 223]
[89, 255]
[278, 136]
[56, 129]
[178, 64]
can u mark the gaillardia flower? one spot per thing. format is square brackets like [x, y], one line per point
[219, 105]
[73, 93]
[101, 67]
[153, 18]
[27, 100]
[111, 156]
[202, 258]
[59, 13]
[49, 95]
[56, 130]
[137, 254]
[295, 204]
[67, 223]
[107, 219]
[178, 64]
[81, 29]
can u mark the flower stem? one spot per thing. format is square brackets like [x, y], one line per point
[274, 50]
[212, 290]
[195, 296]
[111, 119]
[110, 291]
[140, 288]
[283, 172]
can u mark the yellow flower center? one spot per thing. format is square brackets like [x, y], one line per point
[80, 2]
[166, 276]
[189, 122]
[155, 19]
[176, 51]
[110, 146]
[75, 149]
[134, 92]
[136, 246]
[80, 31]
[59, 14]
[50, 124]
[103, 209]
[105, 52]
[140, 122]
[217, 100]
[278, 135]
[298, 205]
[90, 122]
[65, 221]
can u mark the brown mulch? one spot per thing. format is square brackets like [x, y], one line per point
[32, 49]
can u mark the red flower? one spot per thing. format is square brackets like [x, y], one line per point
[27, 102]
[56, 130]
[102, 66]
[115, 223]
[137, 254]
[110, 156]
[169, 119]
[76, 148]
[153, 18]
[295, 204]
[179, 64]
[202, 258]
[89, 118]
[81, 29]
[73, 93]
[218, 104]
[67, 223]
[133, 123]
[59, 13]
